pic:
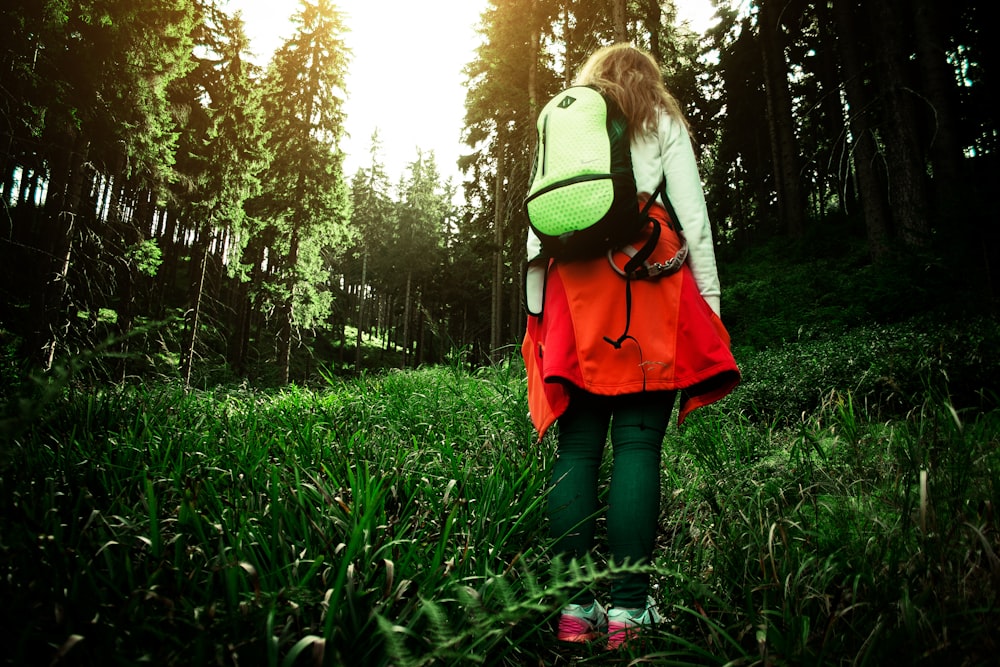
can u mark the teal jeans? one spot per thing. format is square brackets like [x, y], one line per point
[638, 423]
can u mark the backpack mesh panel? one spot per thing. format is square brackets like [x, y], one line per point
[581, 199]
[571, 207]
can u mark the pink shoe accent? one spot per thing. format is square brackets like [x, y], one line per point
[620, 632]
[575, 629]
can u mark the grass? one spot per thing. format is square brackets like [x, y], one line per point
[398, 519]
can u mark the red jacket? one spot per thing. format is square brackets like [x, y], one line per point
[676, 341]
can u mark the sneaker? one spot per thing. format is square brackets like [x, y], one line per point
[623, 623]
[582, 624]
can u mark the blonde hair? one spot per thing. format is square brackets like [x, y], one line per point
[631, 77]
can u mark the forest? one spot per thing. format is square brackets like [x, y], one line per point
[176, 211]
[255, 410]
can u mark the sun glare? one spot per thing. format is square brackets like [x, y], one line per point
[405, 77]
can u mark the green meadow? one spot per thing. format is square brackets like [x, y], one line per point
[838, 508]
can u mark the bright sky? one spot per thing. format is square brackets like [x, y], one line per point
[405, 76]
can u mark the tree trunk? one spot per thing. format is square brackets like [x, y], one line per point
[516, 319]
[781, 122]
[567, 56]
[65, 207]
[287, 310]
[654, 15]
[421, 351]
[496, 317]
[618, 16]
[863, 151]
[938, 86]
[253, 256]
[22, 193]
[361, 309]
[407, 307]
[830, 176]
[533, 71]
[198, 290]
[905, 163]
[133, 232]
[171, 259]
[10, 165]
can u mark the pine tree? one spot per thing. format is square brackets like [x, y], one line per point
[222, 161]
[305, 201]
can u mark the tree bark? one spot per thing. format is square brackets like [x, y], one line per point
[863, 150]
[361, 309]
[781, 123]
[654, 15]
[10, 165]
[198, 290]
[288, 310]
[407, 306]
[171, 259]
[905, 164]
[938, 87]
[831, 176]
[22, 191]
[253, 255]
[533, 70]
[496, 318]
[567, 56]
[618, 16]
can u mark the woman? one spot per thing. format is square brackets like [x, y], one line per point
[581, 376]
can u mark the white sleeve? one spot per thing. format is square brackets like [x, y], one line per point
[534, 246]
[684, 189]
[534, 277]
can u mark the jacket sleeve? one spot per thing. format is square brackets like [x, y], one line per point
[534, 276]
[534, 246]
[685, 192]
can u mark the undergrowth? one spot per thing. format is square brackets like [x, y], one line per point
[826, 513]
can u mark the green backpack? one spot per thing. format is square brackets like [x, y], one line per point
[582, 199]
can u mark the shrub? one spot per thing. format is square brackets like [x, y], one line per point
[888, 368]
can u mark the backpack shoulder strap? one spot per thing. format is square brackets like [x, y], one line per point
[639, 258]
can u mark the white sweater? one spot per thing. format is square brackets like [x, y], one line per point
[668, 152]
